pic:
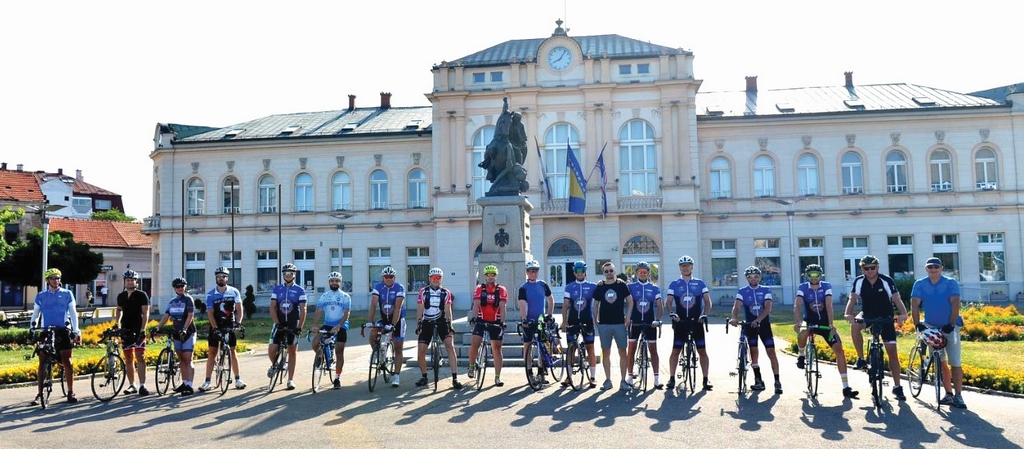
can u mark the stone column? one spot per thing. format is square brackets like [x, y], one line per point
[506, 240]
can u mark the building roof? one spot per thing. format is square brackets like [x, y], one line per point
[20, 186]
[610, 46]
[832, 99]
[356, 122]
[999, 93]
[104, 234]
[78, 186]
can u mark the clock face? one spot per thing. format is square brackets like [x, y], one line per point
[559, 58]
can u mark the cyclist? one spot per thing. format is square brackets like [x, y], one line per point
[489, 301]
[56, 306]
[434, 314]
[688, 304]
[336, 307]
[813, 305]
[939, 297]
[181, 312]
[612, 306]
[389, 296]
[578, 310]
[756, 302]
[131, 316]
[224, 310]
[647, 309]
[535, 303]
[288, 310]
[879, 294]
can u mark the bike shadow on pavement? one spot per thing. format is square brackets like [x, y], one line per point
[544, 402]
[752, 412]
[903, 426]
[675, 406]
[969, 429]
[829, 420]
[489, 399]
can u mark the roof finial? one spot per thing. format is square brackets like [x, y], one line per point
[559, 31]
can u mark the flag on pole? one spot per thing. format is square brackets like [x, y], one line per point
[577, 183]
[544, 173]
[604, 185]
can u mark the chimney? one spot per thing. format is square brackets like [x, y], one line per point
[351, 102]
[751, 84]
[78, 175]
[385, 100]
[849, 79]
[3, 166]
[60, 172]
[21, 167]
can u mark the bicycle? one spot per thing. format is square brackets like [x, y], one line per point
[168, 373]
[922, 370]
[223, 366]
[811, 372]
[434, 351]
[382, 358]
[741, 358]
[108, 379]
[576, 363]
[323, 361]
[52, 368]
[549, 353]
[876, 357]
[483, 356]
[280, 365]
[643, 356]
[688, 361]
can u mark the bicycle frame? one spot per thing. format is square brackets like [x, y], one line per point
[742, 357]
[876, 356]
[642, 357]
[576, 362]
[811, 372]
[922, 369]
[382, 356]
[109, 379]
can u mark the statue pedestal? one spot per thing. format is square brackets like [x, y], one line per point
[506, 240]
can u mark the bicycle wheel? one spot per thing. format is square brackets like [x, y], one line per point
[387, 359]
[47, 382]
[163, 371]
[557, 368]
[531, 359]
[811, 370]
[642, 361]
[435, 360]
[876, 374]
[224, 369]
[319, 362]
[916, 370]
[375, 363]
[109, 377]
[481, 364]
[574, 364]
[691, 366]
[936, 369]
[741, 368]
[276, 378]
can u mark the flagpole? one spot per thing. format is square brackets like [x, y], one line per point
[595, 163]
[543, 173]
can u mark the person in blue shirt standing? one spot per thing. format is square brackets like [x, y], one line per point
[644, 317]
[578, 310]
[181, 313]
[288, 310]
[939, 297]
[688, 302]
[389, 296]
[813, 305]
[756, 302]
[224, 309]
[535, 302]
[336, 307]
[56, 306]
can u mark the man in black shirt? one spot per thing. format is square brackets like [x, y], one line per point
[612, 302]
[131, 316]
[877, 294]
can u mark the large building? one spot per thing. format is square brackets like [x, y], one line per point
[777, 178]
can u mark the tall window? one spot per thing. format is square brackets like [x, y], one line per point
[853, 249]
[901, 256]
[896, 172]
[305, 261]
[812, 250]
[480, 140]
[341, 191]
[723, 263]
[768, 257]
[195, 273]
[721, 178]
[379, 189]
[991, 257]
[304, 193]
[268, 194]
[266, 270]
[853, 173]
[417, 189]
[764, 176]
[196, 196]
[638, 173]
[233, 262]
[229, 191]
[941, 164]
[807, 174]
[556, 140]
[417, 269]
[985, 174]
[947, 248]
[379, 258]
[345, 269]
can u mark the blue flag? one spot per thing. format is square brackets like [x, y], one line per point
[604, 185]
[577, 183]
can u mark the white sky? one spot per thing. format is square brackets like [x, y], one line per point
[84, 83]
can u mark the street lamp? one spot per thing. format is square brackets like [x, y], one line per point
[790, 213]
[341, 240]
[47, 207]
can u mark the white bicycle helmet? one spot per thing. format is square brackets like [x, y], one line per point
[532, 265]
[934, 338]
[685, 260]
[388, 271]
[334, 275]
[436, 272]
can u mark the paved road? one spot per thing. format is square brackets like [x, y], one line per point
[513, 416]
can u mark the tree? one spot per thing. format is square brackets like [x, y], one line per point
[8, 215]
[113, 214]
[77, 262]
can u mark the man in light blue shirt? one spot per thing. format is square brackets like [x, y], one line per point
[939, 297]
[336, 306]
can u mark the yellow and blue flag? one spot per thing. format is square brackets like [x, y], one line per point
[577, 183]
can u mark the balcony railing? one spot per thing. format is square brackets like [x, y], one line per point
[896, 188]
[942, 187]
[639, 203]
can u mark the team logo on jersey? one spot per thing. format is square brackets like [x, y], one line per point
[387, 309]
[176, 309]
[755, 308]
[643, 306]
[286, 307]
[580, 305]
[610, 296]
[687, 302]
[817, 306]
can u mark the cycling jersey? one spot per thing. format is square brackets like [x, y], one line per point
[815, 301]
[753, 300]
[434, 302]
[581, 297]
[57, 307]
[178, 310]
[877, 297]
[688, 297]
[645, 299]
[289, 300]
[334, 304]
[223, 305]
[534, 293]
[131, 309]
[491, 300]
[387, 299]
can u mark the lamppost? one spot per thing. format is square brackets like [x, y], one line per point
[790, 213]
[47, 207]
[341, 240]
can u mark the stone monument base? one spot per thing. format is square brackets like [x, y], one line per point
[506, 240]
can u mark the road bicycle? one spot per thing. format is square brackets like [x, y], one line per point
[576, 363]
[688, 360]
[223, 366]
[382, 359]
[811, 372]
[483, 356]
[925, 366]
[741, 358]
[434, 350]
[168, 373]
[545, 349]
[108, 379]
[876, 357]
[280, 365]
[323, 361]
[50, 363]
[642, 360]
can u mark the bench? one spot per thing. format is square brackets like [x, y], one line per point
[93, 314]
[15, 318]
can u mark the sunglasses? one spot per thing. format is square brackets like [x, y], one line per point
[53, 278]
[580, 271]
[609, 271]
[389, 277]
[869, 267]
[933, 267]
[222, 276]
[814, 275]
[435, 278]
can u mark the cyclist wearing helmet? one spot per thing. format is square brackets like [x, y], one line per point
[813, 305]
[756, 302]
[688, 303]
[578, 310]
[389, 295]
[939, 297]
[535, 303]
[224, 310]
[434, 314]
[489, 301]
[646, 311]
[336, 307]
[131, 316]
[288, 310]
[56, 306]
[878, 294]
[181, 313]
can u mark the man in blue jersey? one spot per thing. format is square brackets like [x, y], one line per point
[535, 304]
[578, 313]
[56, 306]
[756, 302]
[645, 317]
[288, 310]
[224, 310]
[336, 306]
[939, 297]
[389, 296]
[688, 303]
[813, 305]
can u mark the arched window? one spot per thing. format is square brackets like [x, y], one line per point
[417, 189]
[896, 172]
[379, 189]
[853, 173]
[640, 245]
[941, 164]
[229, 192]
[341, 191]
[196, 196]
[556, 140]
[764, 176]
[985, 169]
[638, 162]
[721, 178]
[807, 174]
[565, 248]
[480, 140]
[304, 193]
[268, 194]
